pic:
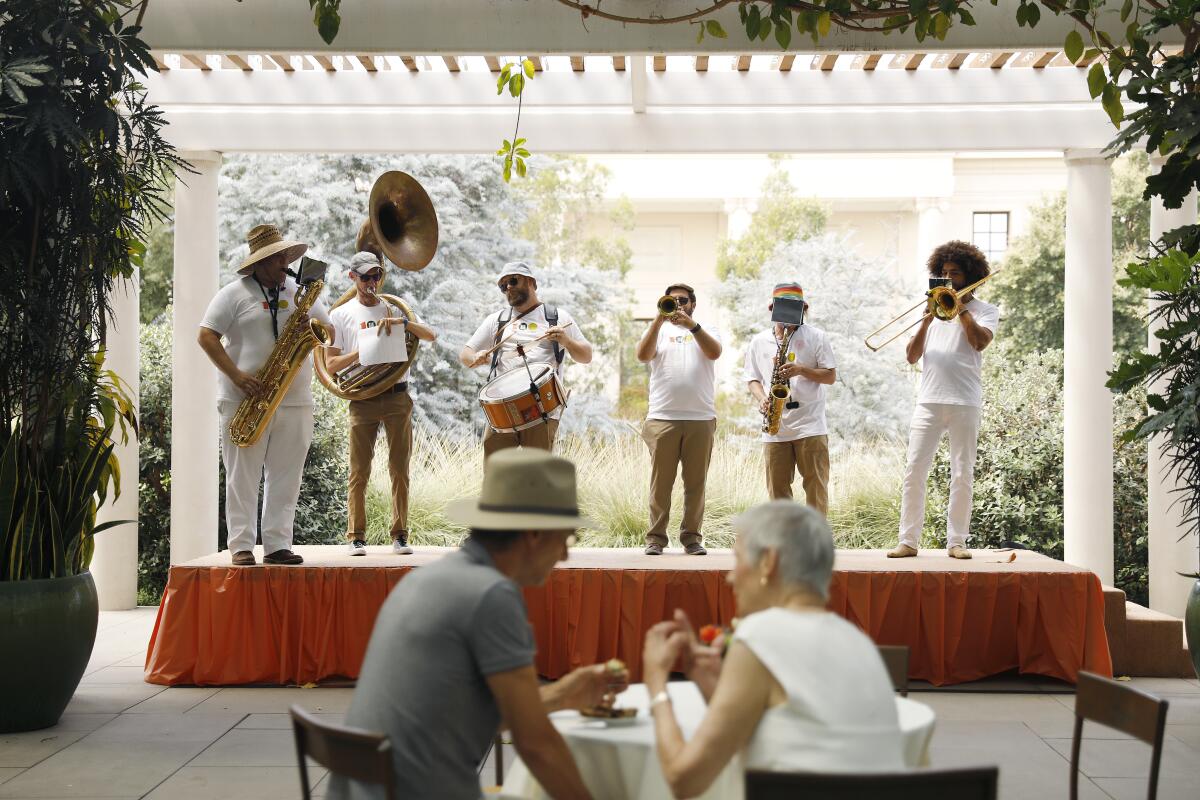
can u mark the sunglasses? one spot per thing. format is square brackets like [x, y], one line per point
[371, 276]
[683, 301]
[506, 285]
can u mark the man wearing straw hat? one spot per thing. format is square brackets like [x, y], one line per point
[249, 314]
[452, 652]
[804, 360]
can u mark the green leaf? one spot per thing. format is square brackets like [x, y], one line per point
[966, 17]
[714, 29]
[1096, 79]
[1033, 15]
[783, 35]
[328, 21]
[521, 167]
[1073, 46]
[699, 34]
[1126, 10]
[753, 20]
[764, 29]
[941, 24]
[529, 70]
[1110, 99]
[516, 85]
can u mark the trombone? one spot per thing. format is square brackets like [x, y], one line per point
[941, 302]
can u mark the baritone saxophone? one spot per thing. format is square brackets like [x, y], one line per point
[299, 336]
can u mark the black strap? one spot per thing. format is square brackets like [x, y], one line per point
[501, 323]
[552, 320]
[272, 302]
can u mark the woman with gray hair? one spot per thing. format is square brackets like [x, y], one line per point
[800, 688]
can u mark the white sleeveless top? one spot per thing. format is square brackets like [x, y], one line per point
[840, 713]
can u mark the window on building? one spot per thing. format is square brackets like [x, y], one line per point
[990, 233]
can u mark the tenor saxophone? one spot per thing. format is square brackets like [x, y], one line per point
[299, 336]
[777, 395]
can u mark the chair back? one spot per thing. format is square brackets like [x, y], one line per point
[351, 752]
[895, 658]
[1117, 705]
[976, 783]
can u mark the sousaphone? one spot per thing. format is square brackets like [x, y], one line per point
[401, 226]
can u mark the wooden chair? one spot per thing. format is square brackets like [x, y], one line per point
[977, 783]
[351, 752]
[895, 658]
[1123, 707]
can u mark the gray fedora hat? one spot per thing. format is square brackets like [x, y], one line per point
[523, 489]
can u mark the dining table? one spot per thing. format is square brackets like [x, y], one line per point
[617, 759]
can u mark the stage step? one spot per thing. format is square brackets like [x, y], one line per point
[1144, 643]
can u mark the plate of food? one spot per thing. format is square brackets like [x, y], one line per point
[613, 717]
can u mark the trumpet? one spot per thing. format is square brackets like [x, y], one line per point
[667, 305]
[941, 302]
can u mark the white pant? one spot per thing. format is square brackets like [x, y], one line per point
[929, 422]
[281, 450]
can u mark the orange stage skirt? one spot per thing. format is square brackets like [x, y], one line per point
[220, 625]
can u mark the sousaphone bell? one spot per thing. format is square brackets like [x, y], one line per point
[402, 226]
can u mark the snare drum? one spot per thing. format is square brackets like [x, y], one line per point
[509, 404]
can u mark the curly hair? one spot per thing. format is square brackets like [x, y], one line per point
[966, 255]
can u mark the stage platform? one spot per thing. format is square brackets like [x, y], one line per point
[220, 625]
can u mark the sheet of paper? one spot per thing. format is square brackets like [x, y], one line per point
[382, 349]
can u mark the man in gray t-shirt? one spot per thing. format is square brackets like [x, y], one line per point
[451, 654]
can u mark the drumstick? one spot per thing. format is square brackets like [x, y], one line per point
[501, 343]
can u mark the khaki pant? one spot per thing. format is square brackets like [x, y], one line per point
[392, 410]
[808, 456]
[539, 436]
[671, 443]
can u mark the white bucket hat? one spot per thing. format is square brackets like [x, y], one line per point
[265, 241]
[517, 268]
[523, 489]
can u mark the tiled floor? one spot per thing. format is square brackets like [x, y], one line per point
[122, 738]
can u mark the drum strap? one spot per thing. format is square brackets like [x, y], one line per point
[501, 321]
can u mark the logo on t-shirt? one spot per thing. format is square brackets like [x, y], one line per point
[281, 303]
[368, 324]
[791, 358]
[527, 326]
[684, 339]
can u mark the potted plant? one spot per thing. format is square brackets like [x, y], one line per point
[1172, 379]
[82, 163]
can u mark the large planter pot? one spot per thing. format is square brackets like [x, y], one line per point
[1191, 624]
[47, 630]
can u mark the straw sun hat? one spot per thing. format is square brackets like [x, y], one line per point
[265, 241]
[523, 489]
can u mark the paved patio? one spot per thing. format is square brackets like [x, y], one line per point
[123, 738]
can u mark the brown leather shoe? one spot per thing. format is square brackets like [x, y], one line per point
[902, 551]
[244, 558]
[958, 552]
[695, 549]
[286, 557]
[654, 549]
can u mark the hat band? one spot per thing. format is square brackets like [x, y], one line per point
[558, 512]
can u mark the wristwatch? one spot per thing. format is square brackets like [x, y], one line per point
[693, 330]
[659, 699]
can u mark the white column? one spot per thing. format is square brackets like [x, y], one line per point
[1087, 358]
[931, 212]
[115, 562]
[194, 441]
[1170, 551]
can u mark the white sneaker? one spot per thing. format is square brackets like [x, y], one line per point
[400, 546]
[357, 547]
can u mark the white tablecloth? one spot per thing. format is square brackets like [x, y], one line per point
[620, 763]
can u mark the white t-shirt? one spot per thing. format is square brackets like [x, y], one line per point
[239, 312]
[809, 347]
[352, 317]
[950, 367]
[840, 714]
[683, 381]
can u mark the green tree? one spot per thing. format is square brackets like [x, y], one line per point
[1029, 286]
[781, 217]
[158, 271]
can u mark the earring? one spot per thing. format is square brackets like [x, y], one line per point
[762, 581]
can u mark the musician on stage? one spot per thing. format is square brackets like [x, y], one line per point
[797, 356]
[682, 418]
[249, 314]
[367, 315]
[524, 320]
[949, 401]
